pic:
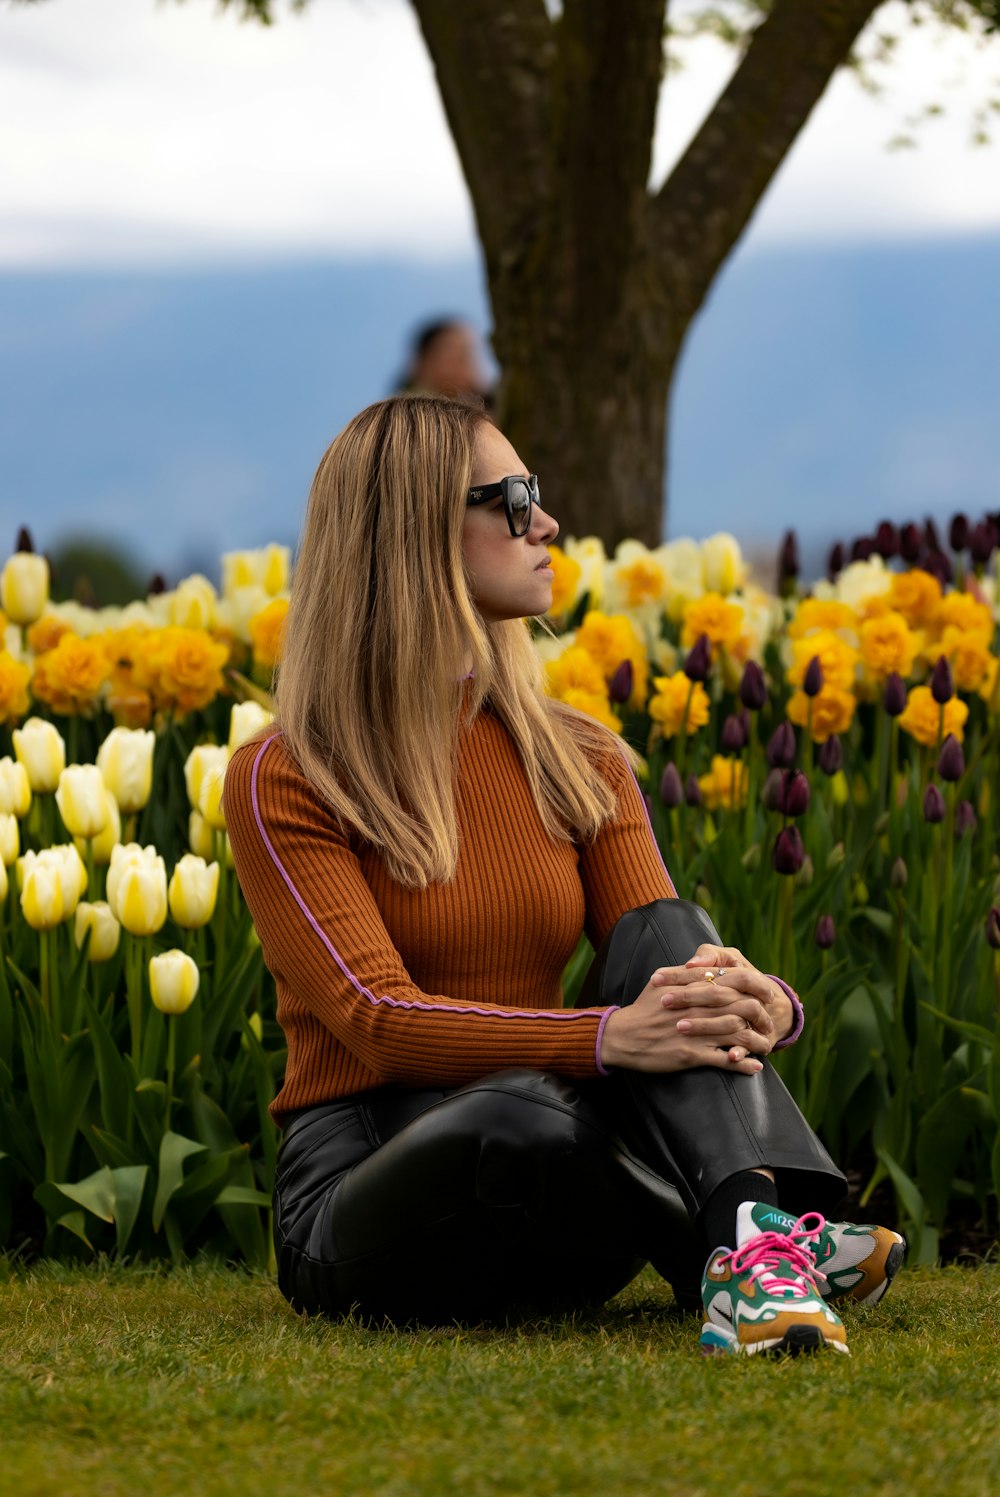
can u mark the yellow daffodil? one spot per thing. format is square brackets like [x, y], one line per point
[595, 704]
[718, 617]
[194, 886]
[173, 981]
[14, 678]
[916, 595]
[887, 644]
[24, 587]
[837, 658]
[105, 931]
[725, 785]
[833, 711]
[611, 639]
[722, 562]
[82, 800]
[69, 678]
[921, 717]
[822, 613]
[575, 670]
[566, 588]
[676, 701]
[267, 633]
[590, 556]
[635, 579]
[969, 655]
[40, 747]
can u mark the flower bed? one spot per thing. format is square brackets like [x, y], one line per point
[822, 774]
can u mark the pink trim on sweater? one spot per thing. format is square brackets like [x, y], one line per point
[797, 1010]
[406, 1003]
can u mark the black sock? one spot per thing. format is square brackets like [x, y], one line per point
[718, 1219]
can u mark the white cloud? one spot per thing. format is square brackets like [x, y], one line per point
[132, 133]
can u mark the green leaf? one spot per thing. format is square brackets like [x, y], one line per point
[941, 1139]
[174, 1149]
[130, 1182]
[113, 1085]
[912, 1201]
[242, 1195]
[963, 1026]
[76, 1222]
[95, 1194]
[114, 1151]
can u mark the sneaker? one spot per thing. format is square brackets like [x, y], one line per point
[858, 1262]
[765, 1294]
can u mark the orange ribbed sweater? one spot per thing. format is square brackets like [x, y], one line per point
[380, 984]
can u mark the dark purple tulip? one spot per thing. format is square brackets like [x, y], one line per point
[812, 681]
[862, 548]
[157, 584]
[939, 566]
[771, 793]
[898, 874]
[788, 850]
[788, 558]
[951, 760]
[781, 748]
[733, 739]
[692, 791]
[958, 532]
[699, 659]
[965, 818]
[621, 683]
[24, 541]
[835, 561]
[794, 793]
[933, 804]
[831, 755]
[931, 535]
[826, 932]
[894, 694]
[993, 928]
[887, 540]
[911, 543]
[942, 681]
[753, 687]
[671, 789]
[982, 543]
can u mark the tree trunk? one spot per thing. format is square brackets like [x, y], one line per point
[594, 281]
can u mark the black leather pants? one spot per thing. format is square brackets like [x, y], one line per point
[524, 1192]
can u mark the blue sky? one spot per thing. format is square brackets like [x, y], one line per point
[148, 150]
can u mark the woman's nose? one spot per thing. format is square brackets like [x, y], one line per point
[544, 527]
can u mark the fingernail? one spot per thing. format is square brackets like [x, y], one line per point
[667, 1001]
[684, 1024]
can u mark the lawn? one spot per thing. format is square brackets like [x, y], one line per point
[118, 1380]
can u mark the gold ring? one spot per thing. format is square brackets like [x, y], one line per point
[709, 976]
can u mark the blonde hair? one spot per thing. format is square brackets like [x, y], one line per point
[380, 627]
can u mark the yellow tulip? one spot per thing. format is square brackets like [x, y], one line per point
[246, 719]
[137, 888]
[4, 882]
[40, 747]
[102, 846]
[105, 931]
[201, 840]
[192, 605]
[194, 886]
[173, 981]
[10, 839]
[722, 560]
[24, 587]
[41, 891]
[15, 788]
[82, 800]
[125, 760]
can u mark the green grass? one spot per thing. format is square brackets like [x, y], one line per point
[117, 1380]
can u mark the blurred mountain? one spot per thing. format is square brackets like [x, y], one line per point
[182, 413]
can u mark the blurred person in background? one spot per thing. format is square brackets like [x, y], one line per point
[446, 359]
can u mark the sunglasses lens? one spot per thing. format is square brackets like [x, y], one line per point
[520, 507]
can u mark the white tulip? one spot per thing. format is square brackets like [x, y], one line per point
[105, 931]
[15, 788]
[24, 587]
[10, 839]
[82, 800]
[40, 747]
[246, 719]
[125, 759]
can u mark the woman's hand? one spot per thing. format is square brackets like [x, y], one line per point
[779, 1004]
[679, 1022]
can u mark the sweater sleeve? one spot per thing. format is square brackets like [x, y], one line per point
[622, 868]
[323, 937]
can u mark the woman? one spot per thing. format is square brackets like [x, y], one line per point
[421, 845]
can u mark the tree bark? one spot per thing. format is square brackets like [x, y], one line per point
[593, 280]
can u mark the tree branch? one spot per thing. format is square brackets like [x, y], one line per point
[709, 197]
[493, 60]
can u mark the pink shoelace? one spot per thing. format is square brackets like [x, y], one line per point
[759, 1257]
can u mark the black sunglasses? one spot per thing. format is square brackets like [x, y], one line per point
[518, 495]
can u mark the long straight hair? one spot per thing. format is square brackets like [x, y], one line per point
[380, 628]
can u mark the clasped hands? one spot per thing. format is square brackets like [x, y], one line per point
[717, 1010]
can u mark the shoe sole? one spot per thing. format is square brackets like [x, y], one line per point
[796, 1340]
